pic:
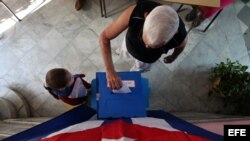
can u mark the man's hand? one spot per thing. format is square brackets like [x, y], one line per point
[169, 59]
[114, 81]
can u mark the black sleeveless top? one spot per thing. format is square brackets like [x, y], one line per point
[134, 42]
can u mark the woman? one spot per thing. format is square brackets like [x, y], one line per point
[152, 30]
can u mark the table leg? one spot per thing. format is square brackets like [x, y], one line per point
[104, 9]
[179, 9]
[212, 20]
[10, 11]
[100, 1]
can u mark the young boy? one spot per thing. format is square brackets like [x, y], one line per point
[71, 89]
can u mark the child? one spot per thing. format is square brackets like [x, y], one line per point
[71, 89]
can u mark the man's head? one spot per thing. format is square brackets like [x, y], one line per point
[58, 78]
[160, 26]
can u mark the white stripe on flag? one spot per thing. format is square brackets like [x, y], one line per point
[121, 139]
[153, 122]
[78, 127]
[147, 121]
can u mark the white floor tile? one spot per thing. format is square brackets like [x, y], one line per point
[243, 26]
[238, 5]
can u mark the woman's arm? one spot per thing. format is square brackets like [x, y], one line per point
[112, 31]
[177, 51]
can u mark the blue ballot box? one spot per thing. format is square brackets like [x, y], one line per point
[118, 104]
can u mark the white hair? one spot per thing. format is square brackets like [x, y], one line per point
[160, 25]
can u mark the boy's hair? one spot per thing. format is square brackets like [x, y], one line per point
[57, 78]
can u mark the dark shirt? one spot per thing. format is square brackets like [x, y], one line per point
[134, 42]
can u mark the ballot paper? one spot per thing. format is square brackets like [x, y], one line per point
[124, 89]
[129, 83]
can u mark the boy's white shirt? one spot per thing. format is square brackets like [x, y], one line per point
[78, 90]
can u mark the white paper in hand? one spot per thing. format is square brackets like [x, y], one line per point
[124, 89]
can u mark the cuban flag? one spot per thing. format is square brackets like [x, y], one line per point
[77, 125]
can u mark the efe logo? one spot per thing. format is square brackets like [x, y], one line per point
[237, 132]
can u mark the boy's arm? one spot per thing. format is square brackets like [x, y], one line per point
[51, 93]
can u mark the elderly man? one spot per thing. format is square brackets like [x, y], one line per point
[153, 29]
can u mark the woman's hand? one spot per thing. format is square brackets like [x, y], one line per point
[169, 59]
[113, 80]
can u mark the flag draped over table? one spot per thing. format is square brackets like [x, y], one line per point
[76, 126]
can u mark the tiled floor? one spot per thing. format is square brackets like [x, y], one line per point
[243, 11]
[58, 36]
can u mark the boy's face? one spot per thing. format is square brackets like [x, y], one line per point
[70, 80]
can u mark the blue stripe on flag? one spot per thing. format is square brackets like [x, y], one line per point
[79, 114]
[183, 125]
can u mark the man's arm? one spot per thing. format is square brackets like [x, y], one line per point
[112, 31]
[177, 51]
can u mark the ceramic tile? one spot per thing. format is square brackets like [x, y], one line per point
[91, 11]
[53, 15]
[247, 39]
[156, 79]
[21, 45]
[96, 59]
[204, 54]
[172, 66]
[8, 62]
[226, 53]
[23, 113]
[244, 60]
[38, 101]
[122, 65]
[215, 43]
[36, 59]
[53, 43]
[243, 26]
[37, 26]
[99, 24]
[243, 15]
[19, 76]
[88, 68]
[3, 91]
[14, 99]
[70, 26]
[35, 94]
[3, 82]
[70, 57]
[49, 105]
[238, 5]
[7, 110]
[237, 53]
[248, 4]
[10, 34]
[86, 41]
[117, 42]
[194, 37]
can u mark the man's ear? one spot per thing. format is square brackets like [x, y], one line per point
[145, 14]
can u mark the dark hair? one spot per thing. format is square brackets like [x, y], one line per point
[57, 78]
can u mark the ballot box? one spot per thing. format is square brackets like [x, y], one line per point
[129, 101]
